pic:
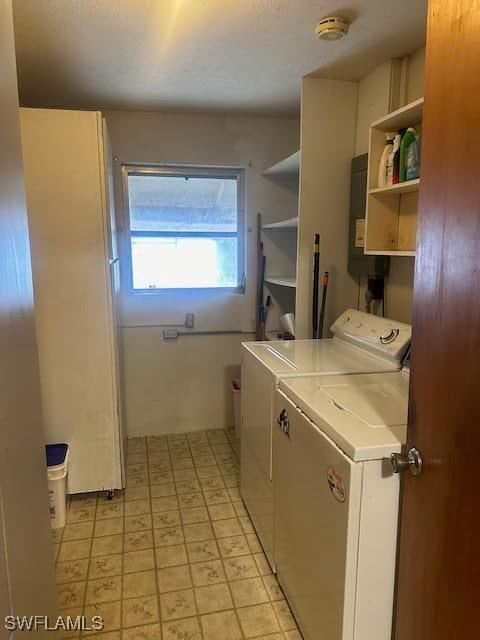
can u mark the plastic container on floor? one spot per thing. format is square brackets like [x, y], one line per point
[57, 469]
[237, 396]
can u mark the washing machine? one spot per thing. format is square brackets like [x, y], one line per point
[361, 343]
[337, 501]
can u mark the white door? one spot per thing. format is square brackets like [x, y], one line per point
[317, 511]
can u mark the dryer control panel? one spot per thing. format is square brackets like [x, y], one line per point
[386, 338]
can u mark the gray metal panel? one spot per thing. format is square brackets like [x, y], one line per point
[358, 262]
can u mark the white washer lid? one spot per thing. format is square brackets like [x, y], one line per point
[365, 415]
[329, 356]
[378, 404]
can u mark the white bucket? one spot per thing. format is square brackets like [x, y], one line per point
[57, 489]
[237, 398]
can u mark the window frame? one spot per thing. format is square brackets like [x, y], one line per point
[186, 171]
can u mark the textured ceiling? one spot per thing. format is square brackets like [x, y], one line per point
[222, 56]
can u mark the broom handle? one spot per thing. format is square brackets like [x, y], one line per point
[316, 273]
[324, 304]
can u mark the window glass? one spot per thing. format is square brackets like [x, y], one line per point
[176, 203]
[184, 229]
[171, 263]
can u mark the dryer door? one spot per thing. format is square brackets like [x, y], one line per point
[317, 512]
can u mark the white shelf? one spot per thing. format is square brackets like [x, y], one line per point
[283, 245]
[385, 252]
[291, 223]
[282, 281]
[401, 187]
[286, 168]
[404, 117]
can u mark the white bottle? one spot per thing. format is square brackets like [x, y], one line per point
[391, 158]
[382, 167]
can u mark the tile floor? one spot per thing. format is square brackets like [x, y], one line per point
[174, 556]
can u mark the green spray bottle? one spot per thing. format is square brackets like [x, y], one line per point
[407, 139]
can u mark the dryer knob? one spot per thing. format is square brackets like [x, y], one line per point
[389, 336]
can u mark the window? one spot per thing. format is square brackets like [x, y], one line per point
[185, 228]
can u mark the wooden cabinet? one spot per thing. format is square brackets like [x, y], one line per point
[391, 222]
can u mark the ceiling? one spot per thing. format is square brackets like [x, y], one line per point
[221, 56]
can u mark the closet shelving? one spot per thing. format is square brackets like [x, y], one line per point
[391, 218]
[283, 225]
[287, 168]
[291, 223]
[402, 187]
[279, 239]
[282, 281]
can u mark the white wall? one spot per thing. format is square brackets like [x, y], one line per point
[180, 385]
[373, 103]
[27, 575]
[416, 75]
[329, 110]
[374, 97]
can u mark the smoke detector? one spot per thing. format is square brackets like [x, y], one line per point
[332, 28]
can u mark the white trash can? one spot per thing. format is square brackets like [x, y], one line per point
[57, 469]
[237, 404]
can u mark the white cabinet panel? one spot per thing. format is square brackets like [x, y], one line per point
[67, 209]
[256, 459]
[317, 511]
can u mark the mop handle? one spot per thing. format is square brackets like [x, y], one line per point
[324, 301]
[316, 272]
